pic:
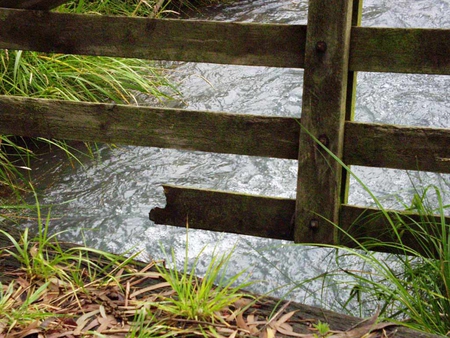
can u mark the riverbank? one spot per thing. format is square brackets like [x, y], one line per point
[61, 289]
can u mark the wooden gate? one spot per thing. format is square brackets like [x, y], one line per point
[331, 49]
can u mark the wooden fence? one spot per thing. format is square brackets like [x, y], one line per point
[331, 49]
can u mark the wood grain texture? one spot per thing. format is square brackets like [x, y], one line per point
[399, 50]
[397, 147]
[226, 212]
[32, 4]
[395, 50]
[153, 127]
[272, 45]
[271, 217]
[323, 115]
[373, 145]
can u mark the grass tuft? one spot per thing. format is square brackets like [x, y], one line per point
[75, 78]
[411, 287]
[63, 289]
[202, 298]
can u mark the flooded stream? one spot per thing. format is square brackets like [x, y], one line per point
[105, 203]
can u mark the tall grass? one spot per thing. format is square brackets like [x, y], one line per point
[411, 287]
[76, 78]
[145, 8]
[201, 298]
[79, 78]
[63, 289]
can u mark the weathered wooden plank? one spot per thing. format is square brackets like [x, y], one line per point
[272, 217]
[366, 224]
[372, 49]
[398, 147]
[323, 115]
[226, 212]
[155, 127]
[399, 50]
[272, 45]
[351, 98]
[32, 4]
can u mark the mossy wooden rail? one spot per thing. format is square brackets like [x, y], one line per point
[331, 49]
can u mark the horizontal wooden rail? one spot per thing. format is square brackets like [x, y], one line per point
[176, 40]
[32, 4]
[399, 50]
[227, 212]
[154, 127]
[425, 51]
[397, 147]
[272, 217]
[373, 145]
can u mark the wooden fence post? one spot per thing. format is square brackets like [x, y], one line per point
[351, 98]
[319, 182]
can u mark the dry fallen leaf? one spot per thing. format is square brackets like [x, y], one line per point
[241, 322]
[83, 320]
[284, 318]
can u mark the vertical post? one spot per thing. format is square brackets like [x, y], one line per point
[319, 181]
[351, 97]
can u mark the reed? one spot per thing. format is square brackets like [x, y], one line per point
[411, 287]
[75, 78]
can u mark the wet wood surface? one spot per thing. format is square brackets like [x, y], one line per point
[323, 116]
[32, 4]
[366, 144]
[412, 50]
[272, 217]
[227, 212]
[272, 45]
[397, 147]
[153, 127]
[399, 50]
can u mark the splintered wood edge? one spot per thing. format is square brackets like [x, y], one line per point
[270, 217]
[226, 212]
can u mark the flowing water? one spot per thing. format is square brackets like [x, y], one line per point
[108, 199]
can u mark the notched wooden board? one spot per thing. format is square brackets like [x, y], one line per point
[272, 217]
[226, 212]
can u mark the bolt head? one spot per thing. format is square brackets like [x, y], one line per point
[321, 46]
[314, 224]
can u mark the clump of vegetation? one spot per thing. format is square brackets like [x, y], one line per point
[202, 298]
[411, 286]
[143, 8]
[79, 78]
[58, 289]
[75, 78]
